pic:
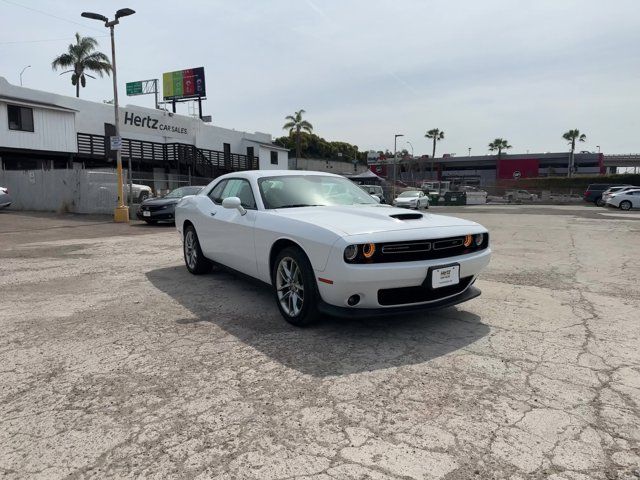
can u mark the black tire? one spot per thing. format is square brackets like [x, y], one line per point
[299, 314]
[599, 202]
[194, 259]
[143, 196]
[625, 205]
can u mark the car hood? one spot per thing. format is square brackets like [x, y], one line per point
[355, 220]
[158, 202]
[406, 199]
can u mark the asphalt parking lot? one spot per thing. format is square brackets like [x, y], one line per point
[115, 362]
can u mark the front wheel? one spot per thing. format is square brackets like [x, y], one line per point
[194, 259]
[295, 287]
[625, 205]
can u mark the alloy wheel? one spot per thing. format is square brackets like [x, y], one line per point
[190, 251]
[290, 286]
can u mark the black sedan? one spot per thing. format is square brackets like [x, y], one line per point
[162, 209]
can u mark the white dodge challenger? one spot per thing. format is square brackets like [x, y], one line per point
[326, 246]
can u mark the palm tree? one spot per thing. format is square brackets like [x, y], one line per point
[436, 134]
[571, 136]
[296, 124]
[81, 58]
[499, 144]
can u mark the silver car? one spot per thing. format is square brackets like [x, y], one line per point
[5, 199]
[412, 199]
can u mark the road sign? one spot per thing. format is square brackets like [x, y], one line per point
[134, 88]
[517, 174]
[116, 143]
[184, 84]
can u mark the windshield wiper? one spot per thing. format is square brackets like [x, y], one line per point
[300, 205]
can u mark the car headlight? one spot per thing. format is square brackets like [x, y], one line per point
[361, 253]
[350, 253]
[478, 239]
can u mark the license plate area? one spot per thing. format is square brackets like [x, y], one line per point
[146, 213]
[441, 276]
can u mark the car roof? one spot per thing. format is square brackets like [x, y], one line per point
[255, 174]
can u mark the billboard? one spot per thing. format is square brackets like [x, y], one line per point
[187, 83]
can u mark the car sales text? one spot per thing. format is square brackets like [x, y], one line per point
[153, 123]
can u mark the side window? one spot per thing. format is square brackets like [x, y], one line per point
[216, 193]
[274, 158]
[237, 187]
[20, 118]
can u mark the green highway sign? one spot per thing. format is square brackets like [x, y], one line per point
[134, 88]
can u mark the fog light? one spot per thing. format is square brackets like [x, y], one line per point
[479, 238]
[468, 240]
[353, 300]
[350, 252]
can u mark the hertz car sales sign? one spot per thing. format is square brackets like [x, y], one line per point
[150, 124]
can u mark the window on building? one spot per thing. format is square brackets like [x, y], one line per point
[274, 158]
[20, 118]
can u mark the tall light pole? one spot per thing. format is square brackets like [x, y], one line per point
[22, 71]
[121, 213]
[598, 148]
[395, 163]
[469, 151]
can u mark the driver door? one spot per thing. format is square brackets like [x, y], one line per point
[228, 236]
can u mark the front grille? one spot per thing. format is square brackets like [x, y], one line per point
[416, 250]
[153, 208]
[407, 295]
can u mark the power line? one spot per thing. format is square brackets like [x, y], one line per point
[66, 39]
[10, 2]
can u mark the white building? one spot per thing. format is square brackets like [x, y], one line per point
[44, 130]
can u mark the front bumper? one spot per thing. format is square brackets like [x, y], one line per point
[346, 312]
[367, 280]
[159, 215]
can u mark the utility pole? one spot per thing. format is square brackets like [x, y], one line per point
[395, 164]
[121, 213]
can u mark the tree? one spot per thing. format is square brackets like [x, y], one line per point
[81, 57]
[499, 144]
[571, 136]
[436, 134]
[295, 124]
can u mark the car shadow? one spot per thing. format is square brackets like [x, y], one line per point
[246, 309]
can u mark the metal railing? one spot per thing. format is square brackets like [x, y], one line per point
[202, 162]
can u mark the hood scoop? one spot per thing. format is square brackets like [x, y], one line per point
[407, 216]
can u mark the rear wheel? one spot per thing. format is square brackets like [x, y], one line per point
[295, 287]
[625, 205]
[193, 257]
[599, 202]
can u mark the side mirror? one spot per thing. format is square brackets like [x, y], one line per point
[376, 198]
[234, 203]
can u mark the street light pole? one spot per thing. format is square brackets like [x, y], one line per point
[22, 71]
[469, 151]
[121, 213]
[598, 148]
[395, 163]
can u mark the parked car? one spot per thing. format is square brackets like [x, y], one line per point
[341, 255]
[160, 209]
[107, 181]
[412, 199]
[374, 190]
[610, 192]
[594, 192]
[5, 199]
[520, 196]
[625, 200]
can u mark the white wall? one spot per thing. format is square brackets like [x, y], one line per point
[264, 162]
[52, 130]
[92, 116]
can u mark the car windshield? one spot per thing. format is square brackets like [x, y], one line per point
[409, 194]
[183, 191]
[311, 190]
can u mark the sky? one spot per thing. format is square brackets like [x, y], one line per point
[365, 70]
